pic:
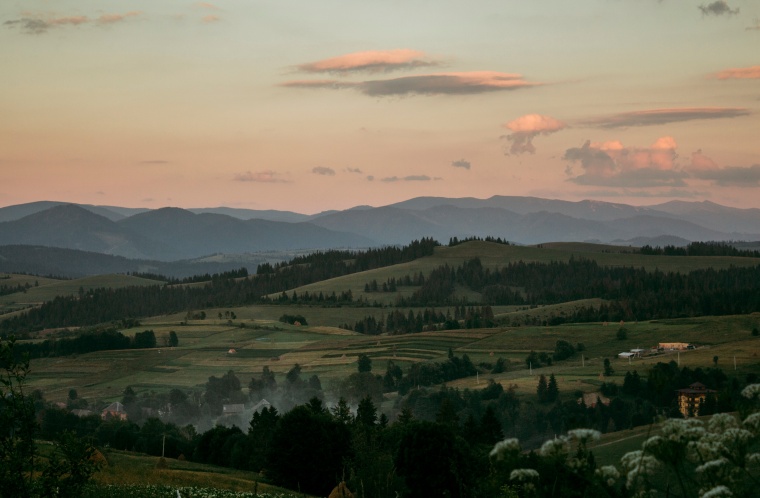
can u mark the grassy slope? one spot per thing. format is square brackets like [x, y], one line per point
[49, 288]
[493, 255]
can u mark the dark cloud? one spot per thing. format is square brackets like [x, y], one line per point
[663, 116]
[31, 26]
[370, 178]
[461, 164]
[322, 170]
[354, 170]
[463, 83]
[718, 8]
[39, 25]
[730, 176]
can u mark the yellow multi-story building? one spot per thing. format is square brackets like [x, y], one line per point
[691, 398]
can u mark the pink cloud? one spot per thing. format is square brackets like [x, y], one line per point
[741, 73]
[210, 18]
[74, 21]
[612, 164]
[370, 61]
[526, 128]
[700, 162]
[114, 18]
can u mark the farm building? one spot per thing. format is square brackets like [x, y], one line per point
[591, 399]
[626, 355]
[114, 410]
[691, 398]
[232, 409]
[261, 405]
[673, 345]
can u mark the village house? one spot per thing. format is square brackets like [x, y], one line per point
[691, 398]
[114, 410]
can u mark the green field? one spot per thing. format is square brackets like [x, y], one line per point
[331, 353]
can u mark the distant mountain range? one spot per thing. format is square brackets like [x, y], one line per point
[172, 234]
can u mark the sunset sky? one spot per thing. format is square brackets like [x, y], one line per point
[314, 105]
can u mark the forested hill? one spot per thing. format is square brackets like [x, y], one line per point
[632, 293]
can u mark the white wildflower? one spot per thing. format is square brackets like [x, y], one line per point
[722, 421]
[584, 435]
[554, 447]
[682, 430]
[753, 459]
[523, 475]
[510, 445]
[752, 391]
[752, 423]
[736, 436]
[717, 492]
[639, 465]
[609, 473]
[712, 467]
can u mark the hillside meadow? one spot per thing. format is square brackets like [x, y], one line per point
[331, 353]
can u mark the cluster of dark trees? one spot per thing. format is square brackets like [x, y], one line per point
[206, 277]
[91, 341]
[455, 241]
[12, 289]
[399, 322]
[701, 249]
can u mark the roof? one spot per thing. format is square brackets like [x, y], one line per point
[114, 407]
[235, 408]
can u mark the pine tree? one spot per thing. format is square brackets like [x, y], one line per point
[542, 388]
[552, 391]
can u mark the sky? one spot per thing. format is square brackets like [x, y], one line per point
[310, 106]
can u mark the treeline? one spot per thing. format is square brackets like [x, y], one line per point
[106, 305]
[455, 241]
[634, 293]
[701, 249]
[12, 289]
[336, 263]
[206, 277]
[398, 322]
[88, 342]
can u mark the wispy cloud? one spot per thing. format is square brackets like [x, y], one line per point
[207, 5]
[457, 83]
[613, 165]
[718, 8]
[410, 178]
[41, 24]
[114, 18]
[267, 176]
[653, 117]
[322, 170]
[754, 27]
[354, 170]
[679, 193]
[739, 73]
[526, 128]
[372, 61]
[210, 19]
[461, 164]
